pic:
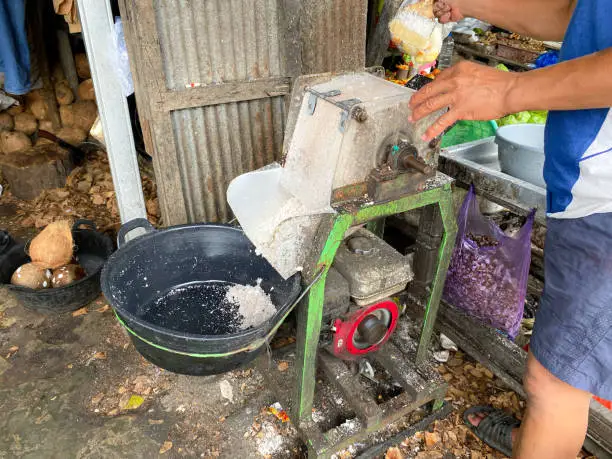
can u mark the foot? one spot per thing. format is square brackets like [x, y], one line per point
[496, 428]
[476, 418]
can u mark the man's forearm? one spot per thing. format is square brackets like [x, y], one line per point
[542, 19]
[573, 85]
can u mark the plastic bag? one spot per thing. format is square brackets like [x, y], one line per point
[488, 273]
[122, 59]
[416, 33]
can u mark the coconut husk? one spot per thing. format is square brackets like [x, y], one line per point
[40, 109]
[81, 114]
[53, 247]
[14, 109]
[72, 135]
[86, 90]
[26, 123]
[46, 125]
[11, 142]
[63, 93]
[6, 122]
[82, 66]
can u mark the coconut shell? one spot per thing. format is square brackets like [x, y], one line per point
[82, 66]
[26, 123]
[6, 122]
[53, 247]
[63, 93]
[12, 142]
[86, 90]
[66, 275]
[32, 276]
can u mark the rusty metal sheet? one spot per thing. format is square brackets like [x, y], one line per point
[212, 78]
[220, 142]
[217, 41]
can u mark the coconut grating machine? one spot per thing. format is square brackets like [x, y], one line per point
[352, 160]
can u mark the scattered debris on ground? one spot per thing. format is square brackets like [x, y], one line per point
[89, 194]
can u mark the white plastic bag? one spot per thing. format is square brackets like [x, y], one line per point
[416, 32]
[123, 61]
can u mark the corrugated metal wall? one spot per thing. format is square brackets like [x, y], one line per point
[219, 142]
[218, 108]
[216, 41]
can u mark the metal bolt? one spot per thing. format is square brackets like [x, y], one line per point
[359, 114]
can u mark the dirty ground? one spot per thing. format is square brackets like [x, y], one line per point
[73, 386]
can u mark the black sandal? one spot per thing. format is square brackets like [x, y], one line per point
[495, 429]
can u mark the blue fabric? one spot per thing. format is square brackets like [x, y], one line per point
[546, 59]
[573, 328]
[570, 133]
[14, 51]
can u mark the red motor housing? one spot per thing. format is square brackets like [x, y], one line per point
[364, 330]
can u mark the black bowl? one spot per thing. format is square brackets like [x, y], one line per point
[167, 287]
[92, 249]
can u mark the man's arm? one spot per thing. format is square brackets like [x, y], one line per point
[476, 92]
[542, 19]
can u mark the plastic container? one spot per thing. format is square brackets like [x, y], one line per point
[465, 131]
[166, 288]
[521, 151]
[6, 243]
[92, 249]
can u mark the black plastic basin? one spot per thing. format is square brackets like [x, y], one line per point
[168, 287]
[91, 251]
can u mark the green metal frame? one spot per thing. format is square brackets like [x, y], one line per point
[310, 313]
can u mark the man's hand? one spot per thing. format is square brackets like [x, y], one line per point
[471, 91]
[542, 19]
[447, 11]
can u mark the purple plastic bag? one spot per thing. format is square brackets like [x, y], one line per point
[487, 277]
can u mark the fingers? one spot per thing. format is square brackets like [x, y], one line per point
[431, 105]
[445, 18]
[432, 90]
[441, 124]
[442, 11]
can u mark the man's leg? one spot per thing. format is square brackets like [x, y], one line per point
[555, 422]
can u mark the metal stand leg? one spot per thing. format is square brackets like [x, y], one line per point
[444, 256]
[310, 316]
[311, 311]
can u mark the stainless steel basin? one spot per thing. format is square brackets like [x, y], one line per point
[478, 163]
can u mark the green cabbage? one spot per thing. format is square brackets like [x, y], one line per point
[534, 117]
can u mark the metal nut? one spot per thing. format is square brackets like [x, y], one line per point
[359, 114]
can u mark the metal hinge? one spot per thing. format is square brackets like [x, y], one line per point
[314, 95]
